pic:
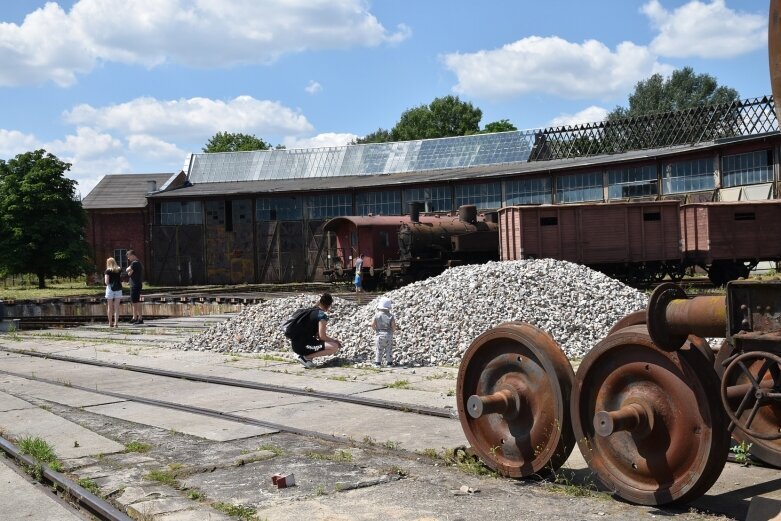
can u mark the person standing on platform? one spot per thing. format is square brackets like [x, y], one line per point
[113, 290]
[136, 273]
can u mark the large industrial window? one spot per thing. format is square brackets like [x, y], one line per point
[579, 187]
[528, 191]
[330, 205]
[747, 169]
[242, 211]
[120, 255]
[688, 176]
[434, 198]
[486, 196]
[636, 181]
[215, 213]
[278, 209]
[185, 212]
[379, 203]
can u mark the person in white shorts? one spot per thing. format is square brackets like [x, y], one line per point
[113, 290]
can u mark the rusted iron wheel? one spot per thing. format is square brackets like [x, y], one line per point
[647, 420]
[513, 394]
[768, 417]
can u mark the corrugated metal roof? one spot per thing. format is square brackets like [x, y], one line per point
[122, 191]
[437, 176]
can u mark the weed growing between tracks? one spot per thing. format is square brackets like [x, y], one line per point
[237, 511]
[137, 446]
[341, 456]
[43, 454]
[400, 384]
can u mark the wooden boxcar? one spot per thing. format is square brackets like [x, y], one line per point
[729, 239]
[634, 241]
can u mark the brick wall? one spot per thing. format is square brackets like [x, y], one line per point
[108, 230]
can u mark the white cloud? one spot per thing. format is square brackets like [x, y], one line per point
[552, 65]
[705, 30]
[153, 148]
[592, 114]
[197, 118]
[13, 142]
[313, 87]
[52, 45]
[326, 139]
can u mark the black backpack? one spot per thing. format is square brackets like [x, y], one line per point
[295, 326]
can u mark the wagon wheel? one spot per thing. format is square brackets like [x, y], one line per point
[767, 417]
[646, 420]
[513, 393]
[754, 406]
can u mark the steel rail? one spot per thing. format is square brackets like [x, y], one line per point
[191, 409]
[368, 402]
[96, 505]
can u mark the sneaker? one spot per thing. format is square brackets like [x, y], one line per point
[133, 320]
[377, 365]
[306, 363]
[139, 322]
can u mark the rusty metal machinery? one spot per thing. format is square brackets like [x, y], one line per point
[749, 360]
[645, 418]
[513, 395]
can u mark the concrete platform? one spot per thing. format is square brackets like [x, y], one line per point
[25, 501]
[179, 421]
[68, 439]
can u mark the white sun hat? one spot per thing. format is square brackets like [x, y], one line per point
[385, 303]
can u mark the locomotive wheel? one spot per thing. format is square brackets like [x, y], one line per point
[513, 392]
[767, 417]
[646, 419]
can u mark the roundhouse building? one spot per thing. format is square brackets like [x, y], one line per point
[255, 217]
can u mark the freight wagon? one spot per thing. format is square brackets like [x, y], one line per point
[647, 241]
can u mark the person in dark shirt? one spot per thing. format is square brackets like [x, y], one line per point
[113, 290]
[315, 341]
[136, 273]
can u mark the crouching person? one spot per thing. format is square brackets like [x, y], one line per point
[313, 340]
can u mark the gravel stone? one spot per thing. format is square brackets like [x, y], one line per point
[440, 317]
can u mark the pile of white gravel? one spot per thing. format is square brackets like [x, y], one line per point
[439, 317]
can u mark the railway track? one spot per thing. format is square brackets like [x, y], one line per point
[231, 382]
[77, 495]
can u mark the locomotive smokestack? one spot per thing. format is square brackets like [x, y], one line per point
[467, 213]
[414, 211]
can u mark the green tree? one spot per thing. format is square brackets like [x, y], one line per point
[41, 221]
[443, 117]
[503, 125]
[234, 142]
[380, 135]
[682, 90]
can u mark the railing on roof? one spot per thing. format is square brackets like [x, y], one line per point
[686, 127]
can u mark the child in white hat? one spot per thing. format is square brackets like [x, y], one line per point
[384, 324]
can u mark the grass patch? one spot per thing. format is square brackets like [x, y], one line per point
[137, 446]
[89, 485]
[237, 511]
[271, 358]
[337, 378]
[196, 495]
[429, 453]
[441, 376]
[341, 456]
[466, 463]
[43, 454]
[165, 476]
[271, 448]
[400, 384]
[565, 482]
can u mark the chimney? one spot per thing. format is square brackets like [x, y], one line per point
[151, 186]
[414, 211]
[467, 213]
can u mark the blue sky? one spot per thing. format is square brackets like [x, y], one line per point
[133, 86]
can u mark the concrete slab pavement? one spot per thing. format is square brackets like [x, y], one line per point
[23, 500]
[68, 439]
[180, 421]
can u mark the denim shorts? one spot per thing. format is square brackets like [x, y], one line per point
[110, 294]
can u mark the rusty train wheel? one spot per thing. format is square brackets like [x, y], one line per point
[768, 417]
[513, 393]
[647, 421]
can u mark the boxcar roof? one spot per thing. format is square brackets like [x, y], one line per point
[671, 202]
[122, 191]
[485, 172]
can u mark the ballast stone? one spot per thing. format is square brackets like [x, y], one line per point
[440, 317]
